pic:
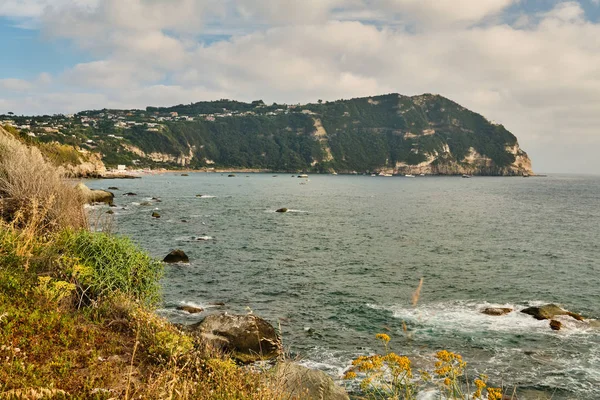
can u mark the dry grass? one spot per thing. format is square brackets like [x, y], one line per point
[31, 187]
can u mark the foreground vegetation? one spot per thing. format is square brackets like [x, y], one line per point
[76, 307]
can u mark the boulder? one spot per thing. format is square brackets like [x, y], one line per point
[184, 175]
[95, 196]
[282, 210]
[249, 338]
[130, 194]
[299, 382]
[190, 309]
[176, 256]
[497, 311]
[155, 214]
[231, 176]
[555, 325]
[113, 188]
[550, 311]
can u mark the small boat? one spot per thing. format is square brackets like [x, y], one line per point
[373, 174]
[422, 175]
[334, 173]
[384, 174]
[467, 176]
[409, 176]
[303, 176]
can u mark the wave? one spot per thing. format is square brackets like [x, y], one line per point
[467, 317]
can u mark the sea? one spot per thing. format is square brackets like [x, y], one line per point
[346, 261]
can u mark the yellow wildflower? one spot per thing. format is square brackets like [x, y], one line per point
[383, 337]
[494, 393]
[350, 375]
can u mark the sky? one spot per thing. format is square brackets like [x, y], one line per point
[531, 65]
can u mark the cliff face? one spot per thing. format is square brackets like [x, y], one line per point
[397, 134]
[90, 165]
[70, 161]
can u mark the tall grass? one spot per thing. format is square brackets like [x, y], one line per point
[32, 187]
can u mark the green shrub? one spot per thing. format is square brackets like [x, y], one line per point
[103, 264]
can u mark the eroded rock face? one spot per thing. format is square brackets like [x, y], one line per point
[95, 196]
[497, 311]
[176, 256]
[248, 337]
[303, 383]
[549, 311]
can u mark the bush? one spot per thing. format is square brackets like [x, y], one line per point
[103, 264]
[31, 187]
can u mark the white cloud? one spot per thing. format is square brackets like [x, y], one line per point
[538, 77]
[15, 85]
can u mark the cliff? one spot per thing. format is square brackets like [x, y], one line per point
[393, 133]
[71, 161]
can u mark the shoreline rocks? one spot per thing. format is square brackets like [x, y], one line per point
[92, 196]
[549, 311]
[190, 309]
[176, 256]
[308, 384]
[496, 311]
[248, 338]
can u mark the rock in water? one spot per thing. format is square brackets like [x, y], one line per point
[130, 194]
[302, 383]
[95, 196]
[176, 256]
[231, 176]
[155, 214]
[184, 175]
[549, 311]
[110, 212]
[190, 309]
[249, 338]
[497, 311]
[282, 210]
[113, 188]
[555, 325]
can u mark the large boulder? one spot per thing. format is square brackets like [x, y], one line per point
[549, 311]
[300, 382]
[92, 196]
[249, 338]
[176, 256]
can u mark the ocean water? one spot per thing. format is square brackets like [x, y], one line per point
[343, 265]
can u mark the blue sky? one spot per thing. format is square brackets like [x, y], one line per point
[532, 65]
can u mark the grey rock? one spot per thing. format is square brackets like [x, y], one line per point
[176, 256]
[248, 337]
[307, 384]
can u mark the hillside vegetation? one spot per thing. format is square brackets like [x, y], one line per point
[392, 133]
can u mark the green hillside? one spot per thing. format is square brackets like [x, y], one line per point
[393, 133]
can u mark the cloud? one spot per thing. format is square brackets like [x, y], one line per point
[538, 76]
[15, 85]
[433, 12]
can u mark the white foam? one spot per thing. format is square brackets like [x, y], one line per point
[201, 238]
[466, 317]
[206, 196]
